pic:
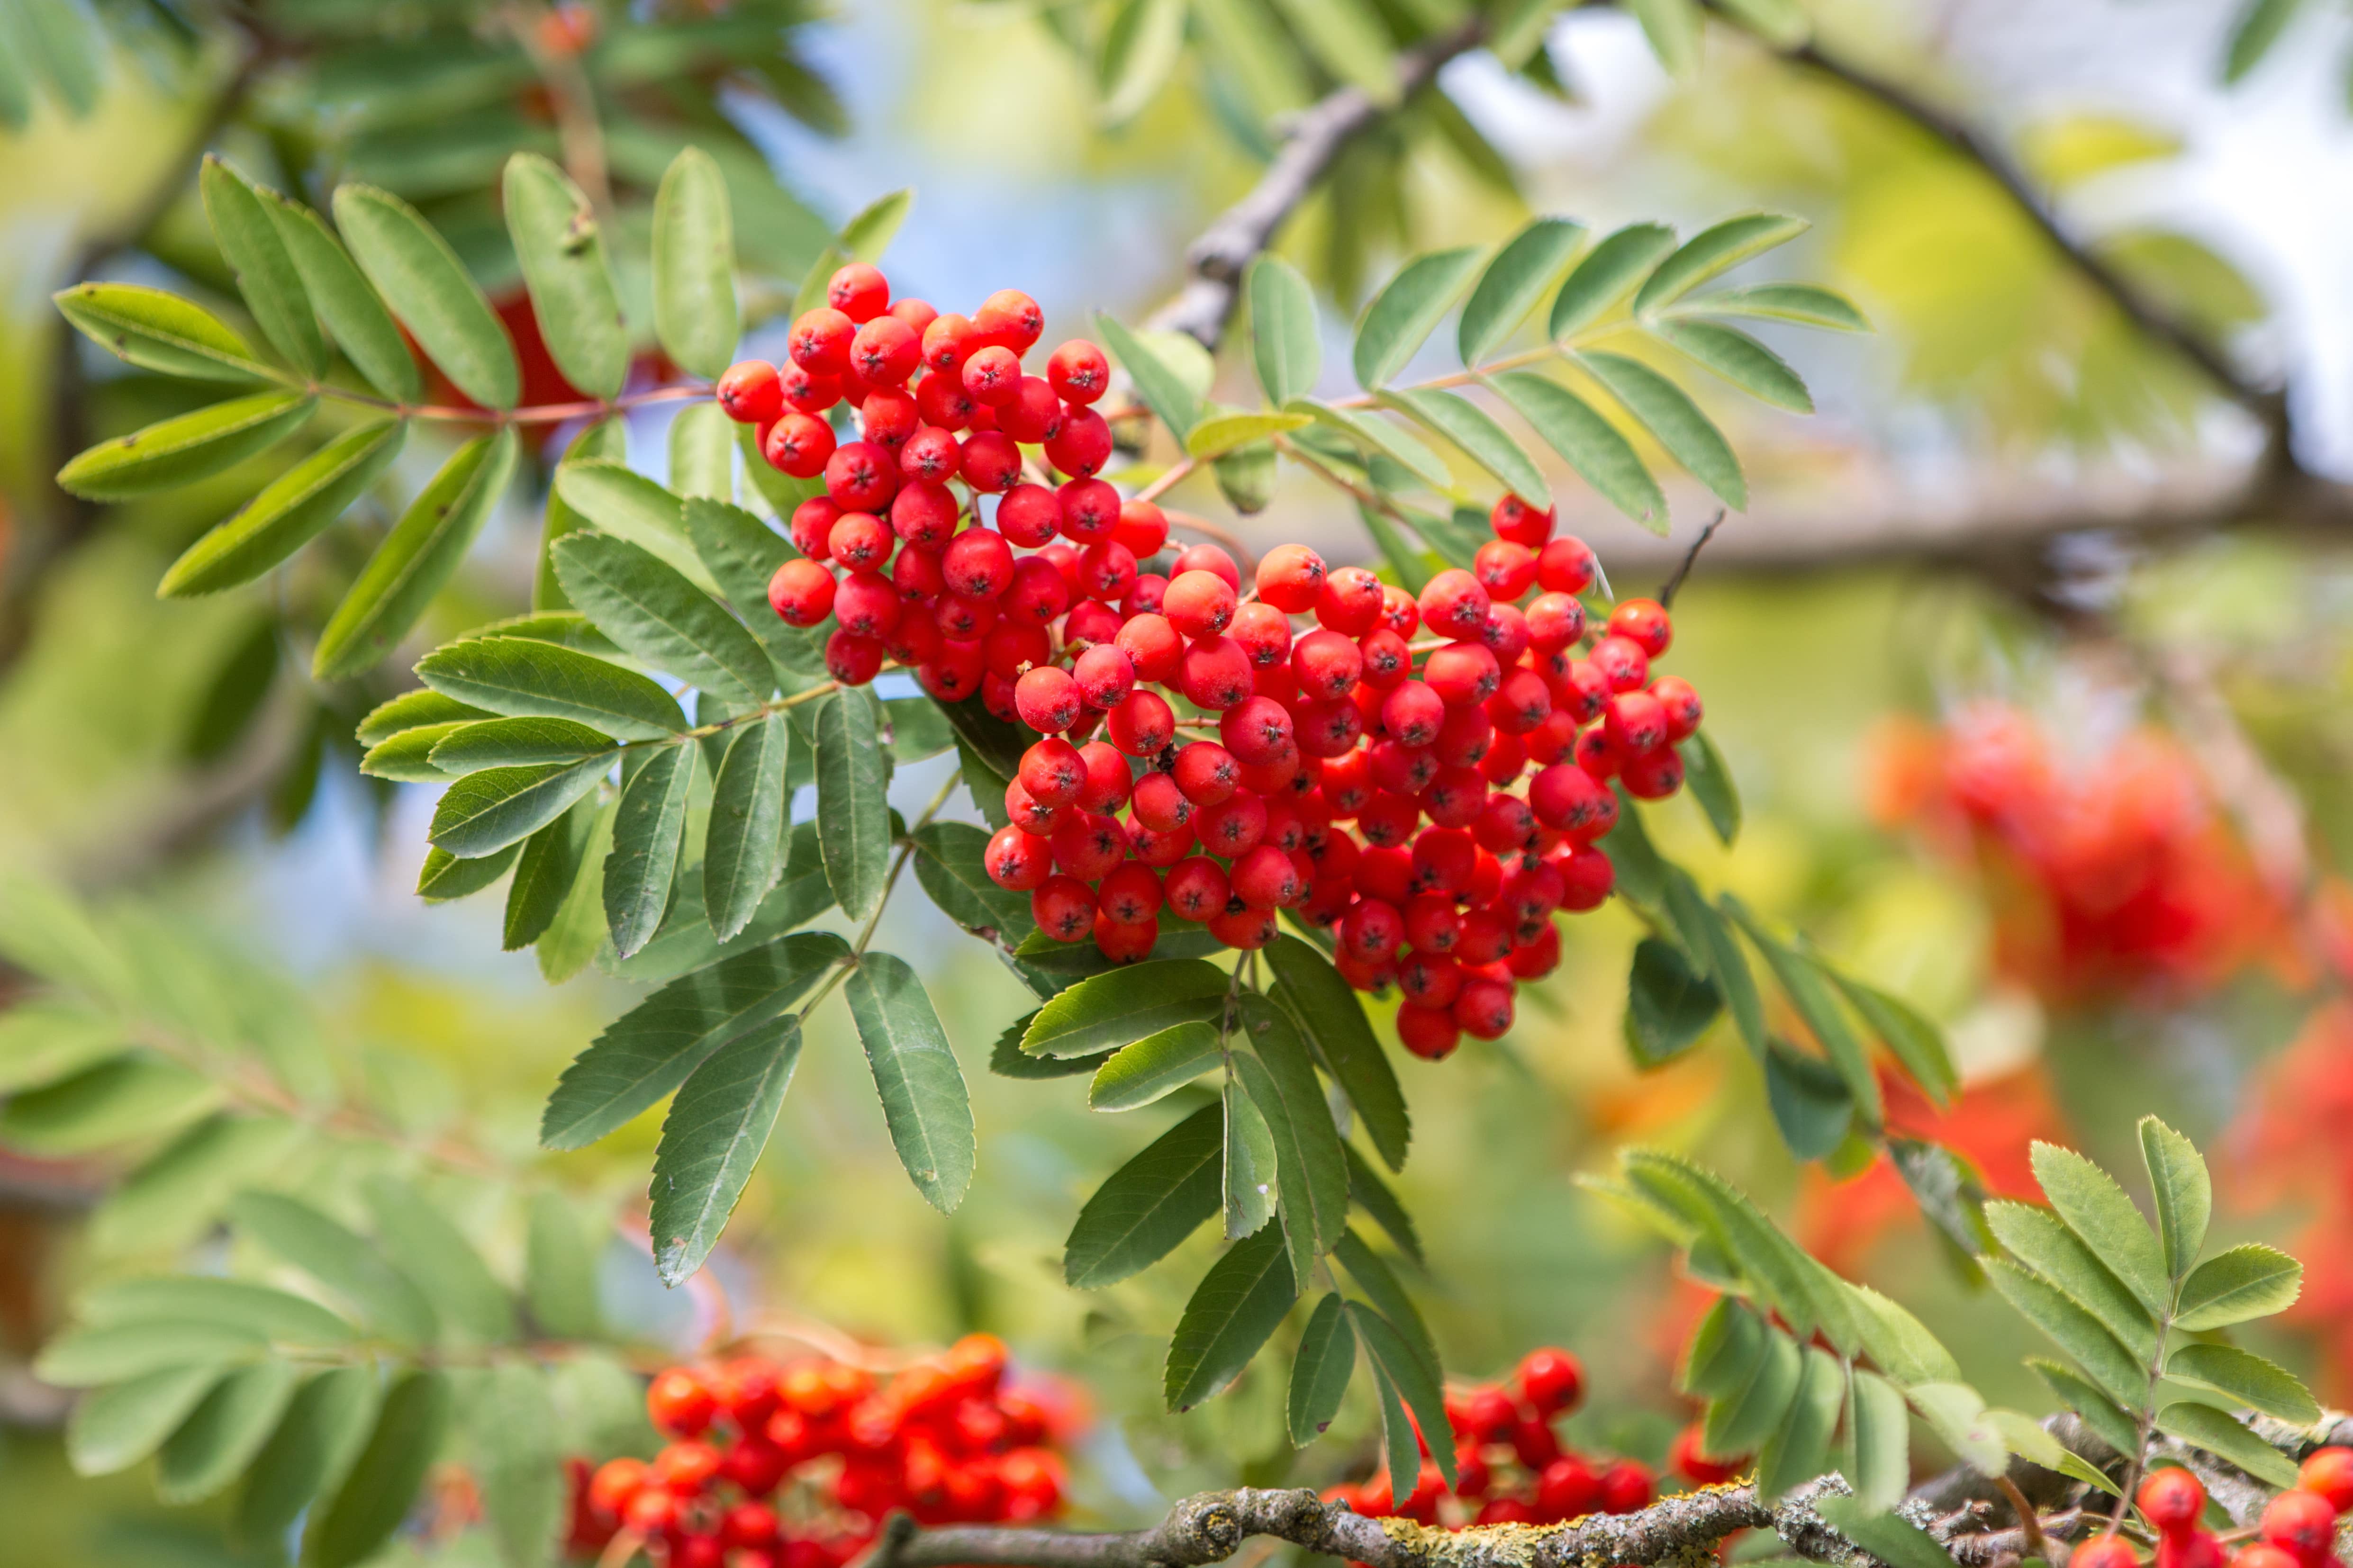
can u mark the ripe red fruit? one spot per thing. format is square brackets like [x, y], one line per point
[991, 461]
[807, 393]
[1350, 601]
[1290, 578]
[1064, 908]
[859, 291]
[1077, 371]
[1244, 930]
[1517, 520]
[1018, 860]
[1623, 663]
[1207, 773]
[1372, 928]
[1046, 699]
[1087, 845]
[1428, 1032]
[2171, 1498]
[1565, 565]
[1550, 1380]
[798, 445]
[1654, 775]
[1412, 713]
[2189, 1549]
[861, 476]
[1052, 771]
[1215, 673]
[1586, 877]
[852, 660]
[1198, 603]
[1121, 943]
[1208, 558]
[2329, 1472]
[943, 401]
[801, 593]
[1264, 878]
[616, 1483]
[858, 539]
[1033, 414]
[889, 418]
[1264, 633]
[751, 393]
[1009, 317]
[1567, 1488]
[1687, 1457]
[1504, 569]
[1453, 604]
[1105, 677]
[1234, 827]
[1159, 804]
[679, 1404]
[1643, 623]
[1142, 724]
[2263, 1555]
[1143, 528]
[2103, 1551]
[945, 341]
[885, 352]
[1553, 621]
[1256, 729]
[1082, 446]
[2301, 1522]
[866, 604]
[992, 376]
[1682, 704]
[1196, 888]
[1625, 1486]
[1461, 673]
[820, 341]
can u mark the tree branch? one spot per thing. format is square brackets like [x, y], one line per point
[1311, 141]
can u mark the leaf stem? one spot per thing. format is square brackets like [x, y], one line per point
[529, 413]
[866, 933]
[1167, 481]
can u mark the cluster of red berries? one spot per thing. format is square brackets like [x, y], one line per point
[795, 1465]
[1510, 1467]
[2298, 1529]
[1448, 884]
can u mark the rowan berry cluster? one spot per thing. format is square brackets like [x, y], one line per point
[795, 1465]
[1459, 855]
[2298, 1529]
[1510, 1466]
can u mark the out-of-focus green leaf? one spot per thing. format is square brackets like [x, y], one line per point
[1347, 38]
[1740, 360]
[1223, 433]
[422, 1243]
[1669, 1003]
[316, 1441]
[384, 1480]
[266, 277]
[1376, 435]
[1713, 250]
[1140, 52]
[2217, 1433]
[2258, 27]
[1608, 272]
[1808, 1099]
[516, 1434]
[694, 265]
[429, 290]
[222, 1435]
[114, 1428]
[346, 301]
[348, 1265]
[160, 332]
[1286, 347]
[1802, 303]
[1163, 389]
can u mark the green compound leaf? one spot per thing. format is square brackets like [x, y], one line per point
[694, 265]
[1592, 444]
[385, 1478]
[1154, 1067]
[346, 301]
[1606, 275]
[222, 1435]
[523, 676]
[347, 1264]
[1149, 1205]
[924, 1099]
[2217, 1433]
[1321, 1372]
[1675, 421]
[1333, 1021]
[853, 815]
[648, 831]
[1472, 429]
[717, 1127]
[2236, 1285]
[2185, 1192]
[743, 849]
[2096, 1209]
[1514, 282]
[1740, 360]
[1126, 1006]
[487, 811]
[658, 614]
[1233, 1312]
[1286, 347]
[1711, 251]
[1408, 309]
[2247, 1378]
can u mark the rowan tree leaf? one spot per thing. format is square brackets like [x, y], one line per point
[1519, 276]
[649, 832]
[1799, 1449]
[1740, 360]
[1312, 1168]
[290, 511]
[1140, 52]
[2242, 1282]
[1892, 1539]
[1591, 444]
[1333, 1022]
[1163, 389]
[1247, 1184]
[1802, 304]
[2184, 1191]
[279, 1317]
[115, 1427]
[559, 1271]
[1606, 275]
[2102, 1414]
[1876, 1440]
[221, 1436]
[1347, 38]
[742, 849]
[160, 332]
[2096, 1209]
[266, 277]
[915, 1073]
[1286, 344]
[1739, 1423]
[573, 295]
[717, 1127]
[519, 1469]
[411, 710]
[347, 1264]
[2075, 1331]
[1670, 1005]
[1321, 1371]
[1715, 250]
[1380, 436]
[353, 311]
[418, 558]
[95, 1355]
[2040, 1240]
[661, 617]
[1370, 1194]
[1145, 1071]
[1675, 421]
[1232, 1313]
[374, 1497]
[1126, 1006]
[522, 676]
[2217, 1433]
[1150, 1204]
[1722, 1351]
[420, 1241]
[2247, 1378]
[187, 448]
[1411, 1375]
[1809, 1100]
[321, 1434]
[1475, 433]
[1912, 1039]
[429, 288]
[1408, 309]
[490, 809]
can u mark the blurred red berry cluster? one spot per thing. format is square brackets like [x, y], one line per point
[1325, 708]
[2298, 1529]
[795, 1464]
[2289, 1146]
[1511, 1466]
[2112, 873]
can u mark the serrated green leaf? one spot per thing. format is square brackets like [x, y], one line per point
[416, 558]
[420, 1241]
[114, 1428]
[702, 455]
[407, 756]
[384, 1480]
[1370, 1194]
[2233, 1286]
[1739, 1423]
[1740, 360]
[1809, 1100]
[711, 1140]
[516, 742]
[1899, 1343]
[1374, 434]
[1802, 303]
[1248, 1183]
[159, 332]
[923, 1096]
[1675, 421]
[1333, 1022]
[1232, 1312]
[2096, 1209]
[314, 1445]
[743, 852]
[346, 1263]
[1222, 433]
[2185, 1194]
[1163, 391]
[1159, 1064]
[346, 301]
[1379, 1284]
[2247, 1378]
[1957, 1413]
[1608, 272]
[1476, 433]
[1877, 1440]
[853, 817]
[563, 266]
[2073, 1329]
[444, 876]
[1892, 1539]
[1146, 1208]
[410, 710]
[2042, 1241]
[265, 275]
[429, 288]
[2217, 1433]
[1799, 1449]
[1286, 345]
[1312, 1171]
[1321, 1371]
[661, 617]
[1408, 309]
[1126, 1006]
[1513, 283]
[649, 832]
[1670, 1005]
[290, 510]
[222, 1435]
[1804, 982]
[1408, 1373]
[490, 809]
[1711, 251]
[1589, 442]
[2103, 1414]
[522, 676]
[186, 448]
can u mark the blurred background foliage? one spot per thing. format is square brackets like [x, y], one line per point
[2035, 683]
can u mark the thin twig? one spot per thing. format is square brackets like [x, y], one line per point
[1682, 569]
[1218, 532]
[2029, 1522]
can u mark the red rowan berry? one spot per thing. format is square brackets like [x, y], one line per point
[1108, 778]
[679, 1404]
[1011, 317]
[1453, 604]
[1046, 699]
[852, 660]
[1505, 635]
[1077, 371]
[859, 540]
[1198, 603]
[1461, 673]
[651, 1512]
[923, 513]
[1196, 888]
[751, 393]
[1234, 827]
[917, 313]
[1550, 1380]
[1153, 646]
[1082, 446]
[1567, 1488]
[1636, 722]
[945, 341]
[1264, 878]
[1214, 672]
[1445, 859]
[1157, 848]
[801, 593]
[885, 352]
[1012, 648]
[1256, 729]
[2103, 1551]
[1142, 724]
[1643, 623]
[1430, 1032]
[930, 455]
[1349, 602]
[889, 418]
[1290, 578]
[1521, 703]
[812, 525]
[1523, 524]
[1327, 664]
[1105, 677]
[1064, 908]
[1565, 565]
[1387, 820]
[1245, 930]
[1143, 528]
[859, 291]
[1682, 704]
[861, 475]
[942, 402]
[1586, 877]
[1088, 509]
[1271, 778]
[991, 461]
[799, 444]
[1402, 769]
[1144, 597]
[992, 376]
[1328, 729]
[1159, 804]
[1621, 662]
[1372, 930]
[1122, 941]
[916, 638]
[1089, 621]
[1412, 713]
[1553, 621]
[1504, 824]
[1263, 632]
[1507, 758]
[1384, 658]
[1431, 979]
[1052, 771]
[1596, 754]
[1270, 678]
[616, 1483]
[1033, 414]
[866, 604]
[1431, 923]
[1455, 797]
[2329, 1472]
[1087, 845]
[2172, 1500]
[1625, 1488]
[1029, 515]
[1504, 569]
[964, 620]
[805, 392]
[2302, 1523]
[820, 341]
[1483, 1008]
[1654, 775]
[1017, 859]
[1207, 773]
